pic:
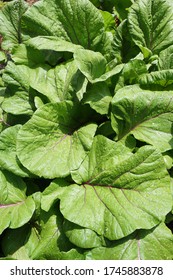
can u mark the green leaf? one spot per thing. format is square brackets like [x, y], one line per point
[17, 102]
[168, 160]
[145, 114]
[2, 121]
[117, 192]
[10, 23]
[105, 129]
[132, 73]
[17, 99]
[118, 6]
[109, 21]
[53, 85]
[166, 59]
[154, 244]
[93, 66]
[52, 240]
[57, 84]
[150, 25]
[162, 77]
[52, 43]
[98, 96]
[123, 47]
[2, 57]
[56, 139]
[61, 19]
[86, 144]
[50, 194]
[15, 208]
[8, 158]
[22, 54]
[82, 237]
[20, 243]
[95, 2]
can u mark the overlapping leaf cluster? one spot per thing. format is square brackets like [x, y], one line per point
[86, 146]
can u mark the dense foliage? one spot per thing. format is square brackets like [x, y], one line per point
[86, 122]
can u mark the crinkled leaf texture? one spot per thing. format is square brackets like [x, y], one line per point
[10, 23]
[86, 145]
[76, 21]
[150, 25]
[148, 115]
[16, 209]
[93, 66]
[116, 192]
[8, 158]
[56, 139]
[154, 244]
[52, 43]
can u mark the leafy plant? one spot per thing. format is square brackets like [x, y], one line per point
[86, 146]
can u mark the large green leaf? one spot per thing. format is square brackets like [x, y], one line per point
[154, 244]
[148, 115]
[93, 66]
[76, 21]
[8, 158]
[15, 208]
[52, 43]
[150, 25]
[117, 192]
[56, 139]
[10, 23]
